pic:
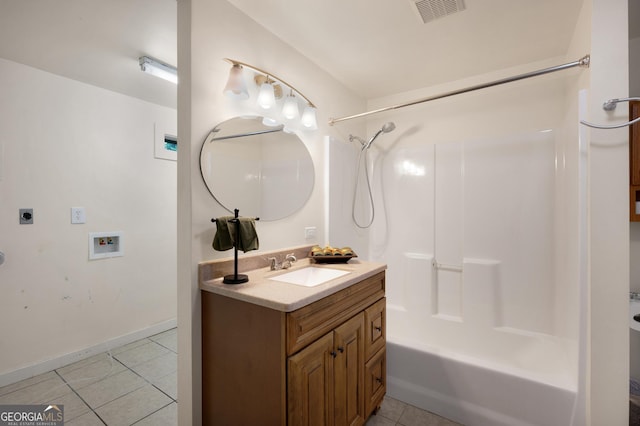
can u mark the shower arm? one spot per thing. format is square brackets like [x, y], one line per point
[582, 63]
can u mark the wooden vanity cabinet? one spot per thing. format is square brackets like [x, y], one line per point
[326, 379]
[323, 364]
[634, 162]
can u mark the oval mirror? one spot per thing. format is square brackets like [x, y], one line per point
[260, 170]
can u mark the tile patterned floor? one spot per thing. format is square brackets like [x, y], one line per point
[137, 385]
[397, 413]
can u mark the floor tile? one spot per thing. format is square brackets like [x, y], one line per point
[88, 419]
[412, 416]
[158, 367]
[168, 384]
[141, 354]
[133, 406]
[74, 407]
[129, 346]
[391, 408]
[377, 420]
[82, 363]
[111, 388]
[90, 373]
[27, 382]
[170, 332]
[167, 416]
[168, 339]
[44, 392]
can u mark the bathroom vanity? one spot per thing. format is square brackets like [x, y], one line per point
[276, 353]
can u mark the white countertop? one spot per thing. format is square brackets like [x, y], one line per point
[285, 297]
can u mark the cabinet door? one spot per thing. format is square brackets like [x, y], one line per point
[349, 372]
[310, 384]
[634, 162]
[375, 381]
[375, 327]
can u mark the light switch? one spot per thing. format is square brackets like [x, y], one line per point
[78, 215]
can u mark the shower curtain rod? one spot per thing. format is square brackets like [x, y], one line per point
[582, 62]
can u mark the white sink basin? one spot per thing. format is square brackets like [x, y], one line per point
[310, 276]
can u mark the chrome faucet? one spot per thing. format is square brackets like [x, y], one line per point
[286, 263]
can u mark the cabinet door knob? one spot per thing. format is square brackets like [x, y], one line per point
[333, 354]
[340, 349]
[378, 328]
[378, 379]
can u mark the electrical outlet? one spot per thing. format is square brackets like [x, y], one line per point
[26, 216]
[78, 215]
[310, 233]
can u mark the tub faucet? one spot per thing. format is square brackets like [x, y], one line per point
[286, 263]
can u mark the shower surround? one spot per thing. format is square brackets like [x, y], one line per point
[476, 217]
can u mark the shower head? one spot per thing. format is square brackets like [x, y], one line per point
[386, 128]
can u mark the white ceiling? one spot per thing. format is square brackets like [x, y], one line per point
[375, 47]
[381, 47]
[94, 41]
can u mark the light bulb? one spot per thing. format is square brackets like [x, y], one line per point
[266, 97]
[236, 87]
[309, 118]
[290, 109]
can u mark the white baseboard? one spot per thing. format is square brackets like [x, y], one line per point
[70, 358]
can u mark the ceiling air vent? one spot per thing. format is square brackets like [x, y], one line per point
[434, 9]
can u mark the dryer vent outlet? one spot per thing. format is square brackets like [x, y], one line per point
[430, 10]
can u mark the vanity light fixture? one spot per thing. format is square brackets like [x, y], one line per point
[159, 69]
[236, 88]
[290, 108]
[270, 91]
[309, 118]
[266, 95]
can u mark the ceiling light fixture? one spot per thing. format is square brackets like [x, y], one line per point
[270, 90]
[159, 69]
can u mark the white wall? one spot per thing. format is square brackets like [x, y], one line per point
[209, 31]
[609, 218]
[65, 144]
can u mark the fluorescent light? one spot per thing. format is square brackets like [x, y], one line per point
[159, 69]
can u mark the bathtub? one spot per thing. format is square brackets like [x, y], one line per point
[512, 379]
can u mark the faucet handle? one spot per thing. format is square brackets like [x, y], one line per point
[288, 260]
[274, 263]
